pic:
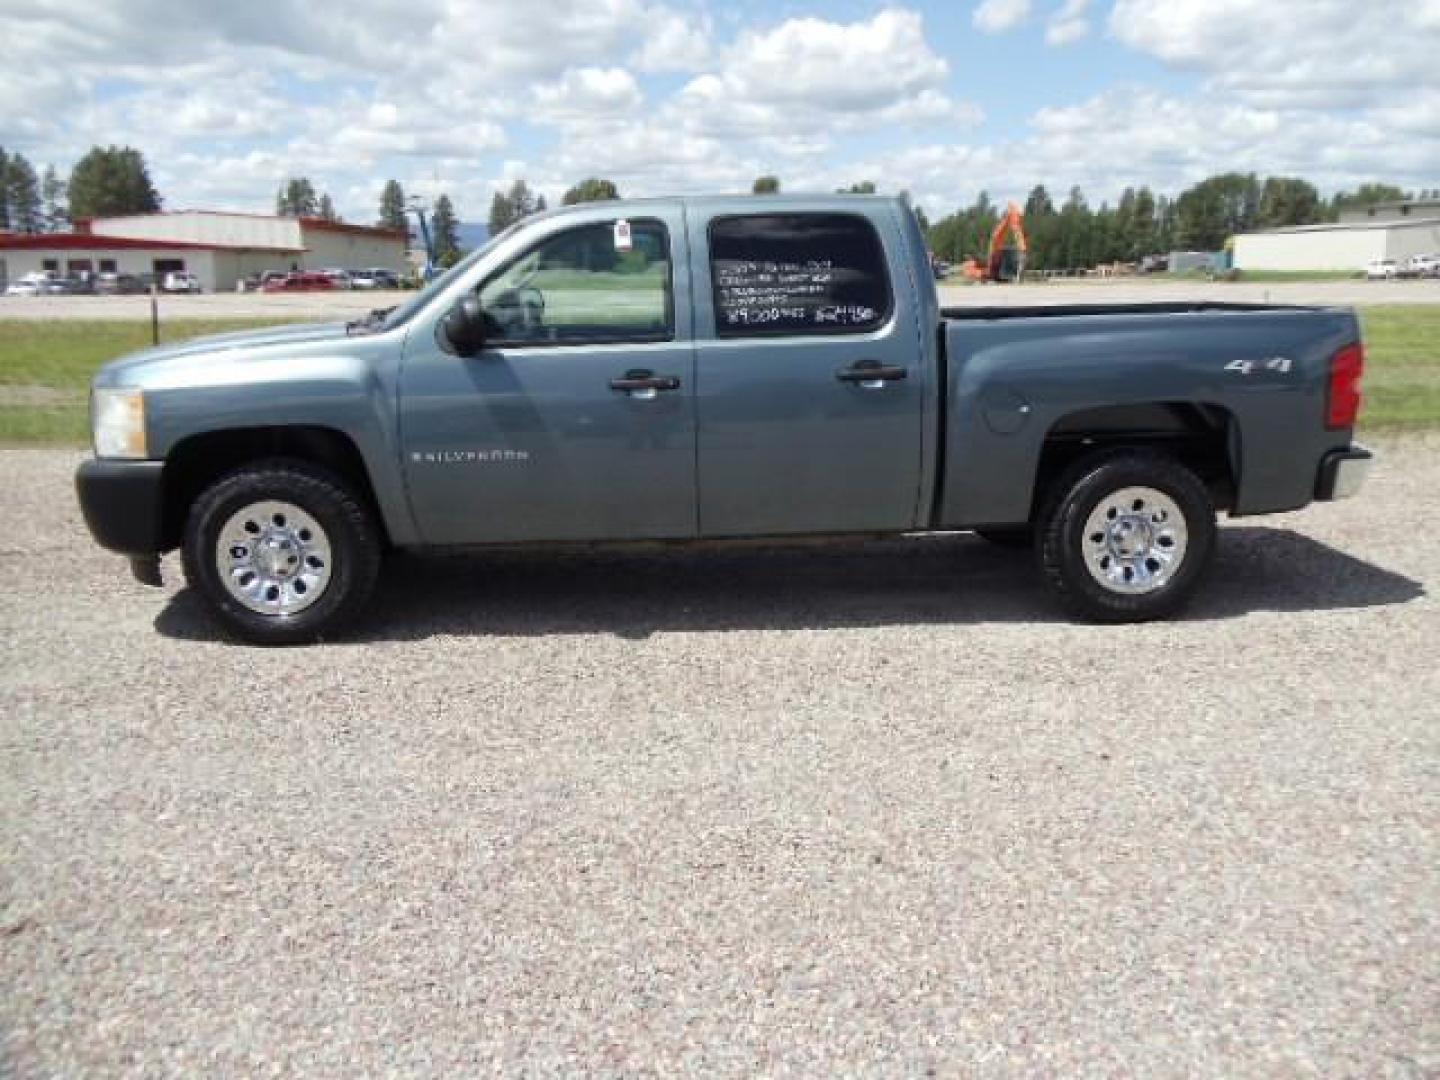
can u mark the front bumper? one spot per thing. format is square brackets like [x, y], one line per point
[1343, 472]
[122, 504]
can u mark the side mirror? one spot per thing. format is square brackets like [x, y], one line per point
[464, 326]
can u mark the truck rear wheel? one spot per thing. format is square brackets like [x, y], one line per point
[1126, 536]
[282, 552]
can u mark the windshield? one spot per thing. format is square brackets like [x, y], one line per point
[404, 312]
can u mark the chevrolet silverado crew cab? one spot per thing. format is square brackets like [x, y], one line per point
[696, 369]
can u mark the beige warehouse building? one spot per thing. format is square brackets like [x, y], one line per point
[1347, 245]
[219, 247]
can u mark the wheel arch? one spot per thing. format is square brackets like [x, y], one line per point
[197, 461]
[1203, 437]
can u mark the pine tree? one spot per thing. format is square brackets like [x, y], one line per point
[591, 189]
[297, 198]
[327, 208]
[1289, 200]
[1037, 203]
[1142, 225]
[445, 232]
[111, 180]
[22, 193]
[4, 191]
[52, 194]
[392, 206]
[1217, 208]
[522, 201]
[502, 214]
[508, 207]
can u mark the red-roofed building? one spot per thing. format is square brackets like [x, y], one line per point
[219, 247]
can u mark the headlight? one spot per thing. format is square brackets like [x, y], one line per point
[118, 421]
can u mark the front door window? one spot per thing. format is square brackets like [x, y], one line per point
[607, 281]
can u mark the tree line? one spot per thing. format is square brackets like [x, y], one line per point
[106, 180]
[1071, 235]
[1075, 235]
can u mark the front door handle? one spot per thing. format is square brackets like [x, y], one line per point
[643, 384]
[871, 374]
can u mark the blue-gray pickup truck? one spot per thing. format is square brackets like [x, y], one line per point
[697, 369]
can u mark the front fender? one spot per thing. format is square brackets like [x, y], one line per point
[345, 392]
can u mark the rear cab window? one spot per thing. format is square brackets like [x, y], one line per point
[797, 274]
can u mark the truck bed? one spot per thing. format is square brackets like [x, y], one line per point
[1016, 380]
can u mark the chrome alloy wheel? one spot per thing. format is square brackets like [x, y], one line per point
[273, 557]
[1135, 540]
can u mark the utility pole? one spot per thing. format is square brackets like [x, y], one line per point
[418, 207]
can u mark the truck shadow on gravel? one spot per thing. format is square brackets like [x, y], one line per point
[940, 580]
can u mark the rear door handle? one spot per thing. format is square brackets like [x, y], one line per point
[871, 374]
[643, 384]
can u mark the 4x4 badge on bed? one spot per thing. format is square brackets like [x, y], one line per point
[1270, 363]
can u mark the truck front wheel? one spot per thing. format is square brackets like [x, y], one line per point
[282, 552]
[1126, 536]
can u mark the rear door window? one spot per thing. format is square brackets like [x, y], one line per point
[797, 274]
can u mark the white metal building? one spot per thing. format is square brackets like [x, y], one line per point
[218, 247]
[1344, 246]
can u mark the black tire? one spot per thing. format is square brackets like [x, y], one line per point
[1018, 538]
[1061, 548]
[354, 542]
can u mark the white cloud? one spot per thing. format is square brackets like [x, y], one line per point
[675, 41]
[997, 16]
[1330, 54]
[1132, 136]
[462, 95]
[831, 66]
[589, 93]
[931, 107]
[1069, 24]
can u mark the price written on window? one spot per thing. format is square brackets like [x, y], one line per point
[764, 293]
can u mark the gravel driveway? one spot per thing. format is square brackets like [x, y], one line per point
[804, 812]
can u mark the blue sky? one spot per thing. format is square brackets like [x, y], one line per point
[942, 99]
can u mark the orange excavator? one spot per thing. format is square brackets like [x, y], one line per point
[1002, 262]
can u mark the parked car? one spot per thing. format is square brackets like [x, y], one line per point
[814, 387]
[375, 278]
[1421, 266]
[113, 284]
[299, 282]
[340, 277]
[1382, 269]
[181, 281]
[26, 286]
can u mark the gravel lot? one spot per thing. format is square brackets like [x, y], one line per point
[346, 305]
[810, 811]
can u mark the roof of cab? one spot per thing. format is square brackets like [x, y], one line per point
[738, 201]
